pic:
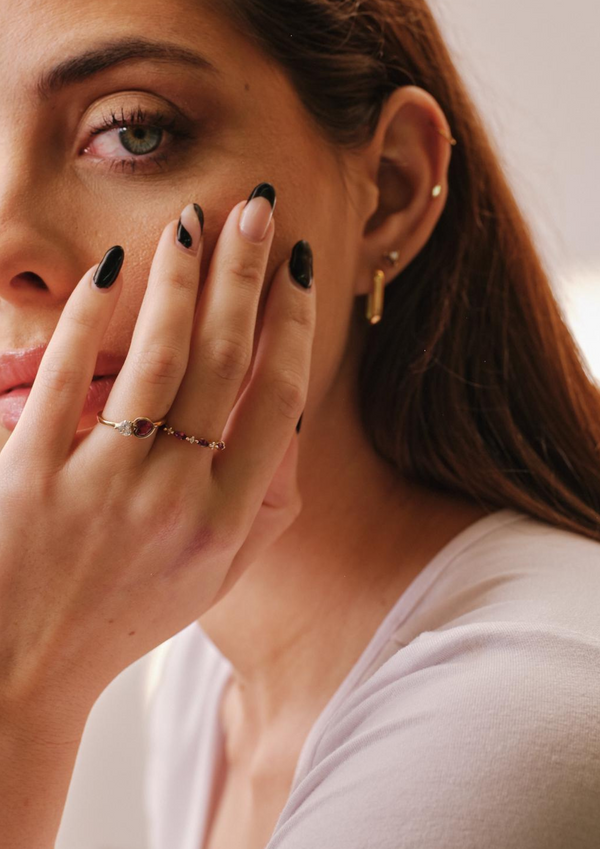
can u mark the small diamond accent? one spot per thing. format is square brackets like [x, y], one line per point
[126, 428]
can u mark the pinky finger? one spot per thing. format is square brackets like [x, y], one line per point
[53, 410]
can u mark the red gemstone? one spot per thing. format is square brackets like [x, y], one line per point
[180, 435]
[204, 442]
[143, 428]
[221, 446]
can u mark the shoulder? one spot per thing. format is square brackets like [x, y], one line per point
[484, 734]
[519, 570]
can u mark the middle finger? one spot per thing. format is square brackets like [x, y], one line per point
[223, 333]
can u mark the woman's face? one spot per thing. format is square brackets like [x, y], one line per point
[71, 186]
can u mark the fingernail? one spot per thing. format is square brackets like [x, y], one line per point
[299, 425]
[301, 264]
[191, 227]
[109, 267]
[256, 215]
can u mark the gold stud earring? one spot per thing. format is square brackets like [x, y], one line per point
[375, 300]
[393, 257]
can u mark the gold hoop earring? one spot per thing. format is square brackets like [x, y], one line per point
[448, 138]
[375, 300]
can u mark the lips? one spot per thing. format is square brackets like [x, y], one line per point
[14, 389]
[12, 403]
[19, 368]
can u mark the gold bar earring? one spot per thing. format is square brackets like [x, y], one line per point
[376, 296]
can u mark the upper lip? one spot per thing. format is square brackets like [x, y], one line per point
[20, 367]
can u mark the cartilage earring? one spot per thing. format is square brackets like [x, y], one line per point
[437, 190]
[449, 138]
[375, 300]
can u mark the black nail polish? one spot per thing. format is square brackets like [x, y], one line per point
[183, 237]
[301, 264]
[299, 425]
[264, 190]
[200, 215]
[108, 270]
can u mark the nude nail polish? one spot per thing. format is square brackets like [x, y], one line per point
[191, 227]
[256, 215]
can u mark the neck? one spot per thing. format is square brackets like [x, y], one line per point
[300, 617]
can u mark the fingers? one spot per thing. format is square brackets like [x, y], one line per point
[54, 407]
[223, 336]
[158, 355]
[264, 419]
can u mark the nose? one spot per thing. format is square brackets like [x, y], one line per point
[38, 257]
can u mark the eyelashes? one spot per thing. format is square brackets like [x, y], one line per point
[136, 128]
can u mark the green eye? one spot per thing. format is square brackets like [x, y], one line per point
[140, 140]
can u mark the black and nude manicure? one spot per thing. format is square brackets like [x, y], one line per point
[191, 226]
[257, 214]
[301, 264]
[109, 267]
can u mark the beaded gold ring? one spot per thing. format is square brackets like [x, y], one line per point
[204, 443]
[143, 427]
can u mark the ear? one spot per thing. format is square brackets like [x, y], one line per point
[399, 168]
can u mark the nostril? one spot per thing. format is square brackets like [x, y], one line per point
[28, 277]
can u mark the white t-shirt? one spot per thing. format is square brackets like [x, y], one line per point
[470, 721]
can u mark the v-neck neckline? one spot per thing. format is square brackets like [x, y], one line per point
[366, 664]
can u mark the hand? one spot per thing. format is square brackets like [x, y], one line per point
[110, 545]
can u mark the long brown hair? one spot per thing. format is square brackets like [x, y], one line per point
[472, 383]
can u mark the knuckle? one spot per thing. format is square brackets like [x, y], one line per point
[288, 393]
[300, 315]
[84, 319]
[180, 278]
[246, 272]
[160, 364]
[59, 374]
[228, 358]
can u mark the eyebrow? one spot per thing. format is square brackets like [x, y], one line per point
[77, 69]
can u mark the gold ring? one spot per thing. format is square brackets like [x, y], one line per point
[141, 428]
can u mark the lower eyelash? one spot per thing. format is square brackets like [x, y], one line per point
[132, 163]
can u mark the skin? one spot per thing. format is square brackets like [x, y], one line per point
[294, 623]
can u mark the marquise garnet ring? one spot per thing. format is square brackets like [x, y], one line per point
[142, 428]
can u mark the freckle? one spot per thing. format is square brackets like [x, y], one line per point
[110, 621]
[132, 633]
[247, 86]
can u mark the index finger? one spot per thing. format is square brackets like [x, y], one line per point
[55, 404]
